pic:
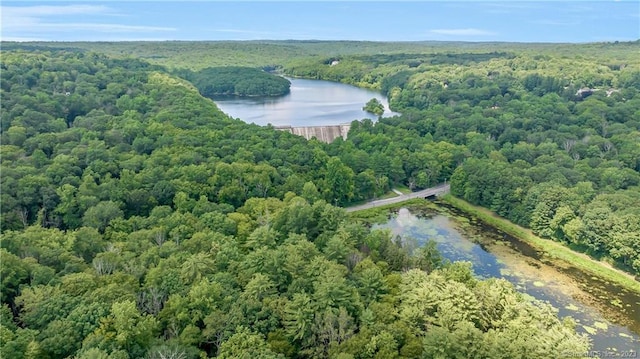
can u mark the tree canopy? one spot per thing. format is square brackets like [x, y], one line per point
[236, 81]
[374, 106]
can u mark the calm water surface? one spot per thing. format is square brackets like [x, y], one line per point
[493, 257]
[310, 103]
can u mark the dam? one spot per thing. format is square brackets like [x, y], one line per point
[322, 133]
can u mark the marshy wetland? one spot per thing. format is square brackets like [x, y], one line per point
[609, 314]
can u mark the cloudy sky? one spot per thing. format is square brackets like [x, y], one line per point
[540, 21]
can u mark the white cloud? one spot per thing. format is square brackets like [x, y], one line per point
[21, 39]
[508, 7]
[239, 31]
[242, 34]
[462, 32]
[99, 27]
[17, 18]
[25, 23]
[555, 22]
[34, 11]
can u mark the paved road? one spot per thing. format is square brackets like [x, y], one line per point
[442, 188]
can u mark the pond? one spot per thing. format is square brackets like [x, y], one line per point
[310, 103]
[609, 315]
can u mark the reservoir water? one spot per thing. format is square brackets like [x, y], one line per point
[610, 316]
[310, 103]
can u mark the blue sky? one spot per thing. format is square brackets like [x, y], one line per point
[520, 21]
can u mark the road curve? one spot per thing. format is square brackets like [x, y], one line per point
[439, 189]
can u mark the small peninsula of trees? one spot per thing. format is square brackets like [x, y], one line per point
[236, 81]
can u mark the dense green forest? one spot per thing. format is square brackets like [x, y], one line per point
[236, 81]
[549, 142]
[140, 221]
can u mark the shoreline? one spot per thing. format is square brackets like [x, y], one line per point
[602, 300]
[548, 247]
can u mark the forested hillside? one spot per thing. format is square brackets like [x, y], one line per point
[236, 81]
[140, 221]
[82, 130]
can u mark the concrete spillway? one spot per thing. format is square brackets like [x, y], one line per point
[322, 133]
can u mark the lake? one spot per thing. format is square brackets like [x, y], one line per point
[310, 103]
[611, 321]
